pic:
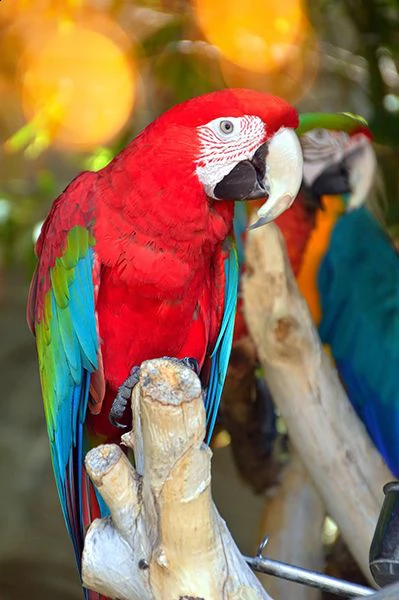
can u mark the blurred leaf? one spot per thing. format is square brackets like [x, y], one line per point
[157, 42]
[175, 64]
[46, 183]
[99, 159]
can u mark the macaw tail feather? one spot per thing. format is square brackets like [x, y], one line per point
[80, 501]
[93, 507]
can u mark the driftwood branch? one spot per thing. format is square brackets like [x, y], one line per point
[332, 442]
[292, 518]
[165, 538]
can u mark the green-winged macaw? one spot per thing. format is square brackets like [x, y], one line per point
[136, 262]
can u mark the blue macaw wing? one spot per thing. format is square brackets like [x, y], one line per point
[221, 353]
[359, 293]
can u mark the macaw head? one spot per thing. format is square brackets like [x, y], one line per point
[338, 159]
[240, 145]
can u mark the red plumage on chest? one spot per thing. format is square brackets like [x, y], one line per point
[161, 290]
[139, 321]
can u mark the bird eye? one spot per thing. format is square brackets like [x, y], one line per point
[226, 126]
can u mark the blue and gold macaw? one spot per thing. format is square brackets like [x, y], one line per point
[347, 268]
[357, 286]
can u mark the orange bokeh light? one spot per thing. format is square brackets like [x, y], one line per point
[258, 35]
[292, 81]
[12, 9]
[79, 84]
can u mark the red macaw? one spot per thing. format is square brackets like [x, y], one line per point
[134, 263]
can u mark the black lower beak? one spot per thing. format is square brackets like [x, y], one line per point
[247, 180]
[331, 182]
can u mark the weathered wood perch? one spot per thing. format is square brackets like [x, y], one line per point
[292, 518]
[165, 538]
[332, 442]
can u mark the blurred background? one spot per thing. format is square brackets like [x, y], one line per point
[78, 80]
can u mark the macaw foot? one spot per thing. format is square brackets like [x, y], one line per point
[122, 397]
[125, 390]
[189, 362]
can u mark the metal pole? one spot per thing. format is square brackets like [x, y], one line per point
[305, 576]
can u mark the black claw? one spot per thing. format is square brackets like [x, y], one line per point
[116, 423]
[187, 361]
[125, 390]
[192, 363]
[122, 397]
[118, 408]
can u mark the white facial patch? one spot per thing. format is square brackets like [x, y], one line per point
[322, 148]
[362, 170]
[223, 143]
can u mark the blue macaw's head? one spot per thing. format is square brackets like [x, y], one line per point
[339, 159]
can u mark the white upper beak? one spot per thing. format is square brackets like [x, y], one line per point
[362, 172]
[284, 172]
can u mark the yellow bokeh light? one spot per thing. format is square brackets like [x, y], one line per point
[292, 80]
[221, 439]
[258, 35]
[79, 84]
[12, 9]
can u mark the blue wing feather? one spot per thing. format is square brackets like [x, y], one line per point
[68, 353]
[221, 353]
[73, 341]
[359, 293]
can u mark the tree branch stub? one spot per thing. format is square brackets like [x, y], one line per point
[165, 538]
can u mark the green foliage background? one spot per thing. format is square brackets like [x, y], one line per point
[359, 56]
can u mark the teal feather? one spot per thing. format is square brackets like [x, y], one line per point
[359, 292]
[68, 347]
[240, 225]
[221, 353]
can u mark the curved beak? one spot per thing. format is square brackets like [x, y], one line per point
[362, 166]
[247, 180]
[274, 172]
[284, 172]
[350, 169]
[332, 181]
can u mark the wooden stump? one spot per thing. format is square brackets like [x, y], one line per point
[165, 538]
[332, 442]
